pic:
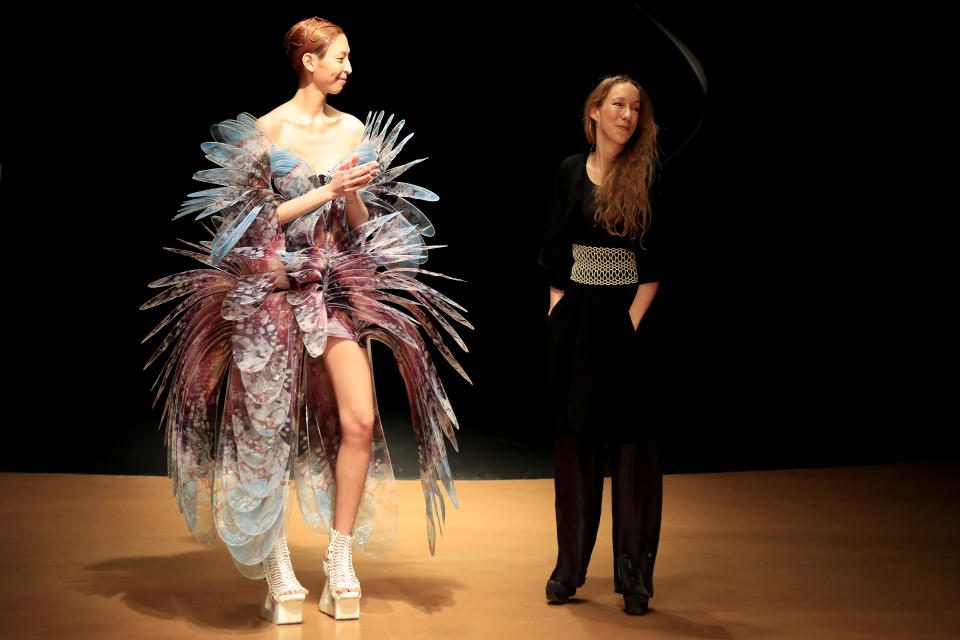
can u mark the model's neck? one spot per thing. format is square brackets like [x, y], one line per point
[310, 101]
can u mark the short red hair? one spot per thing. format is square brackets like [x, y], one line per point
[312, 35]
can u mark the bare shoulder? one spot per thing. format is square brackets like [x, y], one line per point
[355, 127]
[352, 123]
[271, 122]
[349, 127]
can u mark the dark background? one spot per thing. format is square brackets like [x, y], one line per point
[806, 316]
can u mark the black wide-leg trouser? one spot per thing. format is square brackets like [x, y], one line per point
[637, 504]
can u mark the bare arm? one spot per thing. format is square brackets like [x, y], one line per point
[357, 212]
[347, 180]
[292, 209]
[641, 301]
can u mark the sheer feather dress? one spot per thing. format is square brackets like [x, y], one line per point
[251, 328]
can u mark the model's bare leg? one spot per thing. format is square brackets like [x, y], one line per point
[349, 371]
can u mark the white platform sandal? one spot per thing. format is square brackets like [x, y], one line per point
[283, 602]
[341, 591]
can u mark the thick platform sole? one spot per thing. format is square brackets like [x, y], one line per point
[283, 612]
[342, 608]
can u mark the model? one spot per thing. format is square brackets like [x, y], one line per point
[604, 275]
[299, 281]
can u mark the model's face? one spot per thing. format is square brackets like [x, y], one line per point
[330, 72]
[618, 115]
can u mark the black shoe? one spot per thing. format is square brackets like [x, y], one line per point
[559, 592]
[635, 605]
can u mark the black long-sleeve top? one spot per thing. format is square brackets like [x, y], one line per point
[570, 220]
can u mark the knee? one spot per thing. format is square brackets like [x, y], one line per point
[356, 426]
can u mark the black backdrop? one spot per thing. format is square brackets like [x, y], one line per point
[799, 315]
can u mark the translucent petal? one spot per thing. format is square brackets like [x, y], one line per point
[403, 190]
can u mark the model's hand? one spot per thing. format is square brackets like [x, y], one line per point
[348, 178]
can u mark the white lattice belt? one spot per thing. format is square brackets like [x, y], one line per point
[603, 265]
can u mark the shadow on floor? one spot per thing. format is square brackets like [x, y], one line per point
[592, 604]
[204, 588]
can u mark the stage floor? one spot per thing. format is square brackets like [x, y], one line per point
[839, 553]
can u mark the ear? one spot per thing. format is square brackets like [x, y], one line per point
[308, 62]
[595, 113]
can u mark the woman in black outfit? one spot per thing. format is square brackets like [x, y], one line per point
[604, 275]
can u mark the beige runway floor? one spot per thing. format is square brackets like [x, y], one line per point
[843, 553]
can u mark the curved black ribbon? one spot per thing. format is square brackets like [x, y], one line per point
[698, 71]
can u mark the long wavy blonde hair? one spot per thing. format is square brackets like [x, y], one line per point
[623, 200]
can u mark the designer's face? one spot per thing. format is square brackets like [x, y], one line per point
[330, 72]
[619, 113]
